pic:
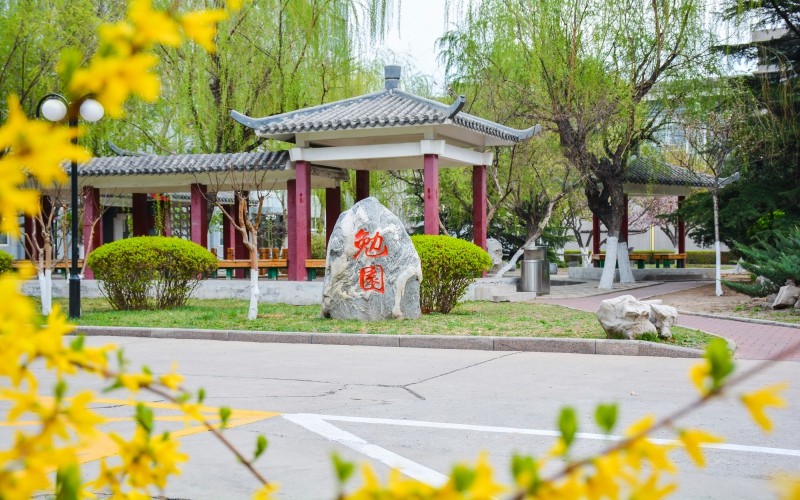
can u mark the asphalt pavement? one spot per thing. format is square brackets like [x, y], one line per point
[421, 410]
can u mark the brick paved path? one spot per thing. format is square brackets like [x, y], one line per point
[753, 340]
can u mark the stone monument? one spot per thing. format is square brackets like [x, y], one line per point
[372, 271]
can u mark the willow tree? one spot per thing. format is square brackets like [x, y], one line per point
[598, 73]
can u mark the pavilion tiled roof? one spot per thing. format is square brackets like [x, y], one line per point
[643, 170]
[184, 163]
[386, 108]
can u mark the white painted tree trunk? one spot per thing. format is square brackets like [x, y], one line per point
[585, 260]
[607, 278]
[624, 263]
[46, 291]
[510, 265]
[718, 263]
[252, 312]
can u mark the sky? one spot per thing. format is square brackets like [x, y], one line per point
[421, 23]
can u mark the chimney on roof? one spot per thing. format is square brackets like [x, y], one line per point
[392, 76]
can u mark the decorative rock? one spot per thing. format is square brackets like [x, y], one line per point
[495, 251]
[663, 317]
[624, 317]
[372, 271]
[787, 296]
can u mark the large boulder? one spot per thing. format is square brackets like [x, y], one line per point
[787, 297]
[624, 317]
[662, 317]
[372, 271]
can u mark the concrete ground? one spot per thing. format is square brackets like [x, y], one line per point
[424, 409]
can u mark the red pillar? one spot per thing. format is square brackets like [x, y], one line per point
[198, 211]
[291, 221]
[91, 213]
[141, 226]
[595, 234]
[681, 232]
[333, 209]
[300, 204]
[623, 230]
[479, 203]
[362, 185]
[430, 180]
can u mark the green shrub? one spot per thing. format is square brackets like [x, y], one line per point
[777, 262]
[5, 262]
[707, 257]
[449, 265]
[150, 272]
[318, 246]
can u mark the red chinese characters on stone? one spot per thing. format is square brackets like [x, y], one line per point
[371, 278]
[372, 246]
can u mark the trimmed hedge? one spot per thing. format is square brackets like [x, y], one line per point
[150, 272]
[449, 266]
[696, 257]
[5, 262]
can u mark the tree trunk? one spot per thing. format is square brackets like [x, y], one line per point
[252, 311]
[624, 263]
[46, 290]
[607, 278]
[717, 255]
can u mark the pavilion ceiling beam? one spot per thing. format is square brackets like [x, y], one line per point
[390, 151]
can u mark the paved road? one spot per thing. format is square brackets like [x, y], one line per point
[422, 409]
[753, 340]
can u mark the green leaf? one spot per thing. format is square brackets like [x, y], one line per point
[568, 424]
[60, 389]
[77, 343]
[344, 469]
[261, 446]
[721, 361]
[68, 483]
[114, 386]
[144, 416]
[201, 395]
[463, 477]
[606, 416]
[224, 415]
[526, 465]
[146, 369]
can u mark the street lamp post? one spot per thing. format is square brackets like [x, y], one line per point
[55, 107]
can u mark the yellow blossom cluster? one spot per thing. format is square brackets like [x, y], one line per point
[124, 63]
[122, 66]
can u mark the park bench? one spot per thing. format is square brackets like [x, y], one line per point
[599, 259]
[667, 258]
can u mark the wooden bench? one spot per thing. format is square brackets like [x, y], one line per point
[270, 265]
[311, 267]
[667, 258]
[599, 259]
[58, 267]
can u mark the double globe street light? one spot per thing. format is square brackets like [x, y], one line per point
[55, 108]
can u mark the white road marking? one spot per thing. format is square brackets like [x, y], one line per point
[318, 425]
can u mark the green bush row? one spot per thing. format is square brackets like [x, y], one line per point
[698, 257]
[5, 262]
[150, 272]
[449, 266]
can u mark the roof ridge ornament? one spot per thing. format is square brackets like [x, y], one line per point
[456, 107]
[124, 152]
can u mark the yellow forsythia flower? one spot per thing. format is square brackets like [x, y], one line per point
[266, 492]
[152, 26]
[692, 439]
[113, 79]
[484, 486]
[172, 379]
[699, 374]
[134, 381]
[757, 401]
[201, 26]
[788, 487]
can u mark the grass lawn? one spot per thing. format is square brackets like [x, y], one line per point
[468, 318]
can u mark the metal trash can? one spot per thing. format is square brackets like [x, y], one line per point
[535, 271]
